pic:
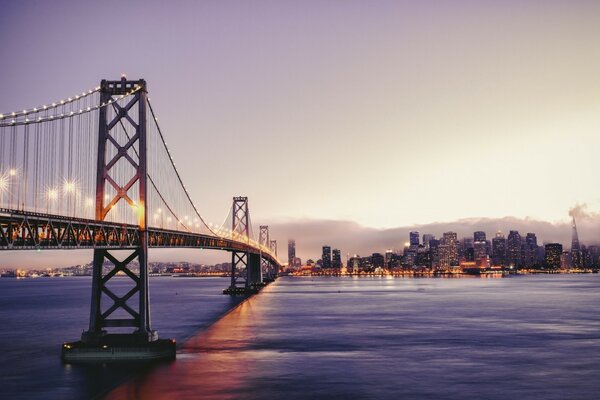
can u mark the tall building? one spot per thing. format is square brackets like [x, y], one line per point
[336, 259]
[414, 239]
[480, 252]
[326, 259]
[553, 253]
[513, 249]
[576, 258]
[291, 252]
[450, 253]
[479, 236]
[529, 251]
[499, 249]
[389, 253]
[377, 260]
[427, 237]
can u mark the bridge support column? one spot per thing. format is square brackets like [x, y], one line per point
[245, 266]
[121, 151]
[255, 276]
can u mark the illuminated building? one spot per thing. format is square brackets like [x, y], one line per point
[336, 259]
[529, 251]
[450, 240]
[576, 258]
[479, 236]
[291, 251]
[499, 249]
[414, 239]
[480, 252]
[427, 238]
[553, 255]
[513, 249]
[388, 257]
[326, 258]
[377, 260]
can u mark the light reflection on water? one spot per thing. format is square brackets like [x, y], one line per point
[528, 337]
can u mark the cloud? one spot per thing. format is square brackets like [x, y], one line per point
[352, 238]
[580, 212]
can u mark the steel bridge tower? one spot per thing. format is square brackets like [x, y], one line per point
[245, 266]
[263, 240]
[132, 115]
[273, 247]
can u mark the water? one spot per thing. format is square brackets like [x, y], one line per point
[526, 337]
[38, 315]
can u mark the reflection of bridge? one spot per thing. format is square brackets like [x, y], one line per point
[94, 172]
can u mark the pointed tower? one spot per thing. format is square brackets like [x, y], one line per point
[576, 259]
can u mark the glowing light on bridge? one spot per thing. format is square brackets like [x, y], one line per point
[52, 194]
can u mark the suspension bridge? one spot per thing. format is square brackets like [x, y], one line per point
[93, 171]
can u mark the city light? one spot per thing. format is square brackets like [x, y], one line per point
[12, 172]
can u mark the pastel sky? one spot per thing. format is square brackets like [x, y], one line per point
[384, 113]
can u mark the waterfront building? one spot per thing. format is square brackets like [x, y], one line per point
[576, 257]
[423, 257]
[499, 249]
[529, 251]
[291, 251]
[480, 254]
[554, 252]
[513, 249]
[336, 259]
[388, 257]
[326, 258]
[450, 239]
[377, 260]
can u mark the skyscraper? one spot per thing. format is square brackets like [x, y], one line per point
[499, 249]
[513, 249]
[450, 253]
[326, 258]
[291, 251]
[414, 239]
[427, 237]
[336, 259]
[529, 251]
[479, 236]
[576, 259]
[553, 253]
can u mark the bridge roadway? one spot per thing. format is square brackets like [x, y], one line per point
[23, 230]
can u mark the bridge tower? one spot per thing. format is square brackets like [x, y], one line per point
[245, 266]
[111, 151]
[273, 248]
[263, 240]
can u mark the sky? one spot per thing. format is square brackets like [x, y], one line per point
[378, 114]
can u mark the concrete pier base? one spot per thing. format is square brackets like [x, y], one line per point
[118, 348]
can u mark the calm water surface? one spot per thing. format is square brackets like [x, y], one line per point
[526, 337]
[38, 315]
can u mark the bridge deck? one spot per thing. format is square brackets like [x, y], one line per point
[30, 231]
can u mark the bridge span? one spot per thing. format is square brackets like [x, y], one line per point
[93, 171]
